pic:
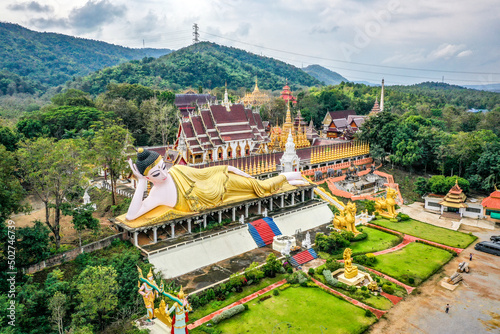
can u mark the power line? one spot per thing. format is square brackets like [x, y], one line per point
[349, 62]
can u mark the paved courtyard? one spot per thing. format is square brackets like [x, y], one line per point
[475, 304]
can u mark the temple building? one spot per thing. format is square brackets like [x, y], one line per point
[455, 202]
[286, 94]
[491, 205]
[190, 101]
[376, 107]
[255, 98]
[219, 132]
[338, 123]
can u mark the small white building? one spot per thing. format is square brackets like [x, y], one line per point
[290, 162]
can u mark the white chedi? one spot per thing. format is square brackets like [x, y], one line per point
[290, 160]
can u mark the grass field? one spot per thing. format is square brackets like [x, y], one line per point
[377, 240]
[299, 310]
[416, 260]
[429, 232]
[247, 290]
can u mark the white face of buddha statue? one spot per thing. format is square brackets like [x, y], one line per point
[158, 174]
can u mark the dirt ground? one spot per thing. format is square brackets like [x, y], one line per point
[474, 305]
[68, 234]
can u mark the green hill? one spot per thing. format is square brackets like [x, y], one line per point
[203, 64]
[33, 61]
[324, 75]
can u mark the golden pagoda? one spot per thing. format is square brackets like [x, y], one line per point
[279, 136]
[455, 197]
[255, 98]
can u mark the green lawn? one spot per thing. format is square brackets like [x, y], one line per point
[429, 232]
[416, 260]
[306, 310]
[247, 290]
[377, 240]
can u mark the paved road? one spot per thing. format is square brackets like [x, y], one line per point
[475, 305]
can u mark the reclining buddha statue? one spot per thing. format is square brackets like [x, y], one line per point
[186, 189]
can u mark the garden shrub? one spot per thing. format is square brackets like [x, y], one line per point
[330, 280]
[334, 242]
[403, 217]
[368, 313]
[261, 299]
[332, 265]
[272, 266]
[411, 280]
[253, 273]
[353, 288]
[276, 292]
[364, 288]
[285, 286]
[393, 220]
[311, 271]
[359, 237]
[297, 277]
[228, 313]
[387, 289]
[289, 270]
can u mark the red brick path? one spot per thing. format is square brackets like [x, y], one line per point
[377, 312]
[241, 301]
[392, 298]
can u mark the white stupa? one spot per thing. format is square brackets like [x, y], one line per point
[290, 161]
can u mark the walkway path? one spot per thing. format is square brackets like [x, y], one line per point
[392, 298]
[241, 301]
[411, 238]
[377, 312]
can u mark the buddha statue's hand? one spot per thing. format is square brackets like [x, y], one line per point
[135, 171]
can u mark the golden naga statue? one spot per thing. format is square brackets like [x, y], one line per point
[387, 207]
[162, 314]
[346, 219]
[350, 271]
[182, 189]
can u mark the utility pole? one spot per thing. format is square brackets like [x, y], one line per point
[196, 35]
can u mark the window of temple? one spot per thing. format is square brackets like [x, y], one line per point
[238, 151]
[247, 150]
[219, 153]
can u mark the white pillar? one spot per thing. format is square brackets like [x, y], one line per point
[293, 198]
[282, 201]
[220, 217]
[271, 204]
[302, 196]
[442, 208]
[246, 210]
[155, 235]
[172, 230]
[312, 193]
[234, 213]
[259, 207]
[136, 242]
[189, 225]
[204, 221]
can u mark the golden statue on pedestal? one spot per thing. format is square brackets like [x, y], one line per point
[350, 271]
[346, 219]
[389, 204]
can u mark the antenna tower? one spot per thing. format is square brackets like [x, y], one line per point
[196, 35]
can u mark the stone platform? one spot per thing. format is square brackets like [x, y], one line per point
[360, 277]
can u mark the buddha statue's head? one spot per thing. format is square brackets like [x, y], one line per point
[151, 165]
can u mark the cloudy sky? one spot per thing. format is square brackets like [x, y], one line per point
[404, 42]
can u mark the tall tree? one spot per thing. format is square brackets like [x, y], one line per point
[161, 120]
[110, 147]
[11, 191]
[97, 293]
[57, 305]
[53, 170]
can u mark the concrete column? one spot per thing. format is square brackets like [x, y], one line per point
[246, 210]
[136, 242]
[302, 196]
[189, 225]
[233, 213]
[282, 201]
[155, 235]
[271, 204]
[442, 208]
[172, 230]
[312, 193]
[259, 207]
[293, 198]
[220, 217]
[204, 221]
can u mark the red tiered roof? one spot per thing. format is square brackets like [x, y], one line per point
[286, 94]
[492, 201]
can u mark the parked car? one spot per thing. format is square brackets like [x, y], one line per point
[495, 238]
[488, 247]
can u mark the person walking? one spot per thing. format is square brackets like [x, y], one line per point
[447, 308]
[470, 257]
